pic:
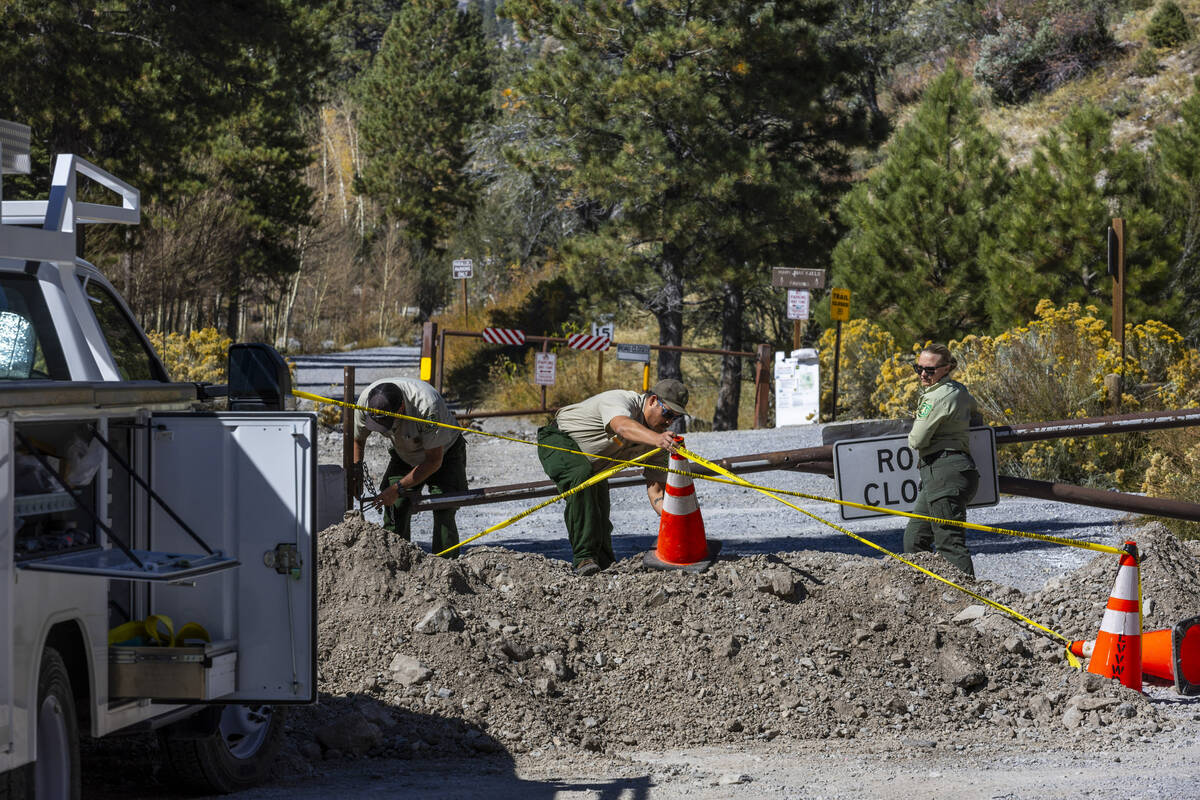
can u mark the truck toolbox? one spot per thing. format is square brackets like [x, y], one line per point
[125, 497]
[189, 672]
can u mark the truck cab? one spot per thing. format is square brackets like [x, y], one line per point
[157, 557]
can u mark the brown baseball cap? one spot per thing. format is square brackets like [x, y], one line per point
[673, 394]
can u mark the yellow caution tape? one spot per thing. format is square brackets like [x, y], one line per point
[974, 526]
[737, 481]
[999, 606]
[599, 476]
[621, 464]
[157, 629]
[316, 398]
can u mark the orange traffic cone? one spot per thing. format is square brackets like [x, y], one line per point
[1168, 654]
[1173, 655]
[1118, 650]
[681, 541]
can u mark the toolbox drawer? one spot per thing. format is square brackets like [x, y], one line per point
[193, 672]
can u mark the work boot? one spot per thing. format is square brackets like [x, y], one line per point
[587, 566]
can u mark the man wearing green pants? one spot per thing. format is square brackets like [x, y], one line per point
[422, 454]
[940, 436]
[618, 424]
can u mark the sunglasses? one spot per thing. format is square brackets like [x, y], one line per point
[668, 413]
[917, 368]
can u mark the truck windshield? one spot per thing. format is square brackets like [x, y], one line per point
[29, 348]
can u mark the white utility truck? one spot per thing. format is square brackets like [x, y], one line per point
[126, 500]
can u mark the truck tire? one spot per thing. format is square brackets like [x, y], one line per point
[237, 755]
[56, 772]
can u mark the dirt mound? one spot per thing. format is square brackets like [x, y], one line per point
[1168, 572]
[505, 650]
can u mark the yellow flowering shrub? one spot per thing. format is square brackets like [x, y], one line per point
[1054, 368]
[865, 348]
[897, 387]
[197, 357]
[1173, 470]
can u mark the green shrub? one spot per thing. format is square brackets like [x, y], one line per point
[1146, 65]
[1168, 27]
[1008, 63]
[1174, 472]
[1038, 46]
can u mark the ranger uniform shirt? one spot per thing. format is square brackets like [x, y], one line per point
[411, 439]
[587, 422]
[943, 420]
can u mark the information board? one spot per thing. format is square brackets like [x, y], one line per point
[797, 387]
[797, 303]
[544, 367]
[634, 352]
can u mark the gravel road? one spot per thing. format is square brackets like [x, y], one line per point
[323, 373]
[746, 521]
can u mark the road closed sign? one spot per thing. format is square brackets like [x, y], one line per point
[884, 473]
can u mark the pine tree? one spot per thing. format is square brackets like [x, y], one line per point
[917, 223]
[1176, 167]
[700, 139]
[1052, 242]
[426, 88]
[355, 35]
[176, 99]
[879, 33]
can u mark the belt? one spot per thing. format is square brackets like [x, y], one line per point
[932, 457]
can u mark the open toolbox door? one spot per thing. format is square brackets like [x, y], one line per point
[245, 482]
[6, 591]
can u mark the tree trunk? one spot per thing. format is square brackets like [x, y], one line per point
[733, 304]
[667, 308]
[233, 309]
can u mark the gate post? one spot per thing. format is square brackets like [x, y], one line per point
[762, 385]
[428, 350]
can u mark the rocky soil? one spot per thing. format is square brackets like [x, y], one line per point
[798, 649]
[502, 650]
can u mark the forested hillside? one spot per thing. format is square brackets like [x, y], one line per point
[309, 169]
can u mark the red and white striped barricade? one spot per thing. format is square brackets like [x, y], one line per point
[503, 336]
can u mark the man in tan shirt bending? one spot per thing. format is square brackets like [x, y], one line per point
[618, 424]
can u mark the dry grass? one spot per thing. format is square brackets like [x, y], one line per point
[1140, 104]
[578, 375]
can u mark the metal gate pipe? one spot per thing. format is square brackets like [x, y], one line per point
[1097, 426]
[1101, 498]
[819, 460]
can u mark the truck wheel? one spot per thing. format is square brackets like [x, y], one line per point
[236, 755]
[56, 771]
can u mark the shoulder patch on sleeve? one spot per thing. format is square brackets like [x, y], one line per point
[924, 409]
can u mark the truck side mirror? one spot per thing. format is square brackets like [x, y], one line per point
[258, 378]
